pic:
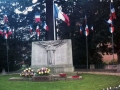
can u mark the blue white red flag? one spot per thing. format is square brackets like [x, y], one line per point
[37, 18]
[6, 36]
[110, 21]
[112, 10]
[86, 30]
[31, 28]
[111, 28]
[59, 14]
[5, 33]
[37, 31]
[45, 26]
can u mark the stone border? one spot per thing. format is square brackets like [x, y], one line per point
[44, 78]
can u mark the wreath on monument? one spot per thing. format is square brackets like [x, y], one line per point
[27, 73]
[43, 71]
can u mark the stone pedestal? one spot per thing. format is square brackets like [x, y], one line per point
[56, 55]
[41, 78]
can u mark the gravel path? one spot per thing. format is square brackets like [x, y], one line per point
[104, 73]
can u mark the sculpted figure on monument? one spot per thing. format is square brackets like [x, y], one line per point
[50, 54]
[50, 48]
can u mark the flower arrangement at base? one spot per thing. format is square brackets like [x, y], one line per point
[43, 71]
[62, 74]
[28, 72]
[75, 76]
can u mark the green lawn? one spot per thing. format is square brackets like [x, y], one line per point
[89, 82]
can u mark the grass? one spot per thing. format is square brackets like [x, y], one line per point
[89, 82]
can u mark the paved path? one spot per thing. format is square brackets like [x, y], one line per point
[104, 73]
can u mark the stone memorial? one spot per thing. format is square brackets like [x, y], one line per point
[54, 54]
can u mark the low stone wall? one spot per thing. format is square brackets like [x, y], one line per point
[41, 78]
[20, 79]
[45, 78]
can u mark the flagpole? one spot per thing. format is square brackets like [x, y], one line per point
[112, 36]
[87, 52]
[54, 21]
[113, 47]
[7, 56]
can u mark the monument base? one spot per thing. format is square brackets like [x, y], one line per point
[56, 68]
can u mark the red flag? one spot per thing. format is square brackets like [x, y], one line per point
[112, 10]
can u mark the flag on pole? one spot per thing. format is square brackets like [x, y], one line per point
[45, 26]
[37, 18]
[6, 36]
[31, 28]
[86, 30]
[59, 14]
[37, 31]
[110, 21]
[112, 10]
[81, 29]
[5, 33]
[111, 28]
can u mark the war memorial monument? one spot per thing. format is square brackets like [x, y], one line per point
[55, 54]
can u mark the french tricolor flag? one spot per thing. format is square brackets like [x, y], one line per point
[111, 28]
[5, 34]
[37, 18]
[59, 14]
[112, 10]
[86, 30]
[31, 28]
[110, 21]
[38, 30]
[45, 26]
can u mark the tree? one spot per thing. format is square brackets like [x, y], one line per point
[97, 12]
